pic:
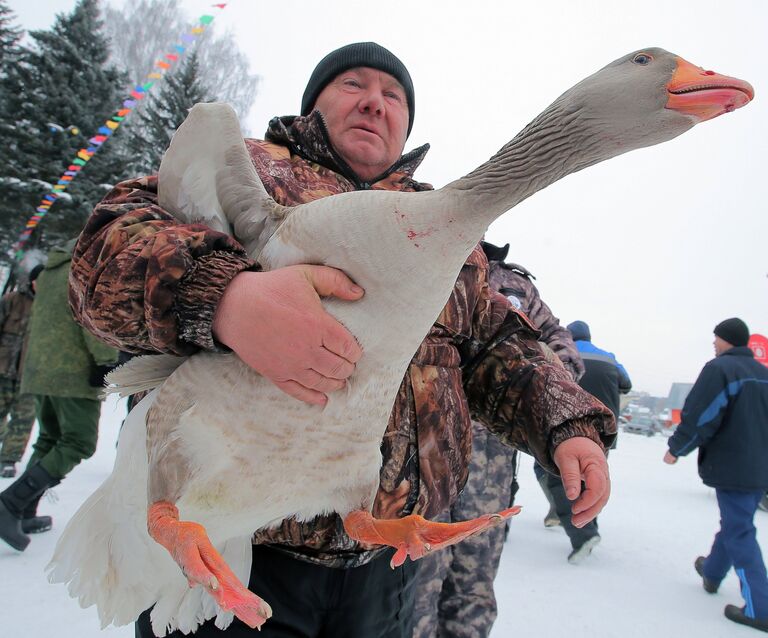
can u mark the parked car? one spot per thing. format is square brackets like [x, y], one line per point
[642, 424]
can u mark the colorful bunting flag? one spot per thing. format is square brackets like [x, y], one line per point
[105, 131]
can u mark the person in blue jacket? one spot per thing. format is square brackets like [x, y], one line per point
[605, 378]
[726, 417]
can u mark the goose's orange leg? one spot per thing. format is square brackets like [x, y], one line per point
[190, 547]
[414, 535]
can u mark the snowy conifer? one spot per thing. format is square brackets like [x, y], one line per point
[58, 93]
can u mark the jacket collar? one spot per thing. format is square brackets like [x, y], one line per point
[739, 351]
[307, 136]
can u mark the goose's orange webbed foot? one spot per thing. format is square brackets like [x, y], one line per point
[190, 547]
[414, 535]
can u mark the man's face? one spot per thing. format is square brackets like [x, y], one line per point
[721, 345]
[367, 117]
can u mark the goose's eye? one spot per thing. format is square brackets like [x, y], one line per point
[642, 58]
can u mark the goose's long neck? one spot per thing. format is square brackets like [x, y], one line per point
[552, 146]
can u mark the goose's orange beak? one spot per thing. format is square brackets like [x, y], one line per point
[705, 94]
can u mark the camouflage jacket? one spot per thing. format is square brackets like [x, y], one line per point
[145, 282]
[15, 308]
[514, 282]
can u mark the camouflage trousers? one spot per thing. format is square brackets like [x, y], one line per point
[17, 415]
[454, 586]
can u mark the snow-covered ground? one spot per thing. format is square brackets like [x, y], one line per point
[638, 582]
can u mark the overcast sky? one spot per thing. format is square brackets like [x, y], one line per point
[652, 248]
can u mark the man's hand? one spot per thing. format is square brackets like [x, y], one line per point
[669, 458]
[581, 459]
[275, 323]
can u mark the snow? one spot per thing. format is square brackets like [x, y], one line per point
[45, 185]
[638, 582]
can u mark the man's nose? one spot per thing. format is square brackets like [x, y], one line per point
[372, 102]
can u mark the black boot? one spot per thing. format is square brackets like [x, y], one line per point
[710, 586]
[737, 614]
[31, 523]
[21, 493]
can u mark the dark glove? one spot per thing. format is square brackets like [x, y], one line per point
[96, 377]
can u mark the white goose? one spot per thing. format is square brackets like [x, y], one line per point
[216, 462]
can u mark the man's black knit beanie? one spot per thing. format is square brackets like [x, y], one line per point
[368, 54]
[734, 331]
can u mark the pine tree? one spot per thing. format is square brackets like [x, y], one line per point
[9, 37]
[62, 80]
[11, 87]
[10, 52]
[150, 134]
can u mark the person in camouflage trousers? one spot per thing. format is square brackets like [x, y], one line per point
[17, 411]
[454, 595]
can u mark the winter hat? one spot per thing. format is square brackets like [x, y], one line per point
[580, 331]
[33, 274]
[734, 331]
[367, 54]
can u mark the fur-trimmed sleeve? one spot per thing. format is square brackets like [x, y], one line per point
[144, 282]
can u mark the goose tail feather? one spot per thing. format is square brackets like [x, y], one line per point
[104, 554]
[141, 374]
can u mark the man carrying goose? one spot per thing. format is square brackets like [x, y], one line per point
[146, 282]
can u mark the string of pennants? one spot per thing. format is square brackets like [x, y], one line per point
[103, 134]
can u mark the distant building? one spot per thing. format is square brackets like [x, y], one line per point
[676, 398]
[677, 395]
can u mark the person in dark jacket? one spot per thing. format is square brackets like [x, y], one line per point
[726, 417]
[454, 588]
[604, 378]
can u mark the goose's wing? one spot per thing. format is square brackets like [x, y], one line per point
[207, 177]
